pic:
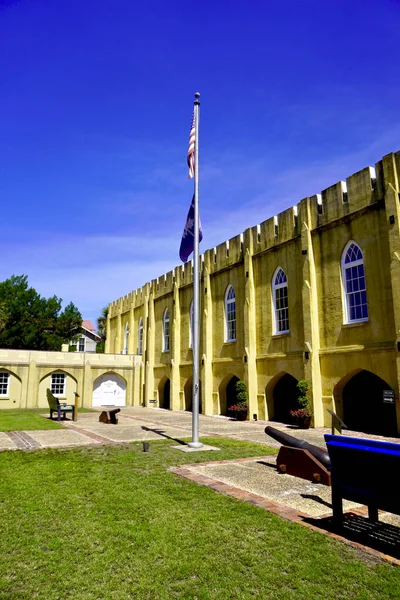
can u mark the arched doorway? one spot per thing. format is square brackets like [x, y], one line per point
[188, 395]
[109, 390]
[285, 398]
[227, 393]
[164, 393]
[231, 398]
[364, 408]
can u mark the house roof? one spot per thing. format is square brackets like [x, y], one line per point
[88, 326]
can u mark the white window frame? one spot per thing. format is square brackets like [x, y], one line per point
[230, 323]
[348, 294]
[4, 381]
[191, 323]
[126, 339]
[140, 336]
[79, 344]
[276, 289]
[54, 383]
[166, 331]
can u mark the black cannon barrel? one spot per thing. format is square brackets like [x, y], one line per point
[289, 440]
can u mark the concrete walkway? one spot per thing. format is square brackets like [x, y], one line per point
[144, 424]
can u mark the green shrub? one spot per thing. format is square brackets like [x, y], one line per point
[303, 400]
[241, 391]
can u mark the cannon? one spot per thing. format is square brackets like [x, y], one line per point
[301, 459]
[109, 416]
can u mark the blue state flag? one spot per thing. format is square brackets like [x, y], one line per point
[187, 243]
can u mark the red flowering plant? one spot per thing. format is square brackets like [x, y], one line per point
[304, 411]
[239, 407]
[241, 398]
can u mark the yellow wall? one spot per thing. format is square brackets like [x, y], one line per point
[70, 388]
[30, 376]
[13, 398]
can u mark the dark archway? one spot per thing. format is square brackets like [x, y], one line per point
[285, 396]
[231, 392]
[164, 393]
[227, 393]
[188, 395]
[363, 406]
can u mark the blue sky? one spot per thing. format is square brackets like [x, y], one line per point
[96, 101]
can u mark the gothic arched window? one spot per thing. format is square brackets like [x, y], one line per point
[230, 315]
[140, 336]
[166, 331]
[126, 339]
[354, 288]
[280, 301]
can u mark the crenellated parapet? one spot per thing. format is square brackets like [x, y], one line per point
[345, 197]
[359, 191]
[163, 285]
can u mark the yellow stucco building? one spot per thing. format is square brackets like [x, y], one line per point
[98, 379]
[312, 293]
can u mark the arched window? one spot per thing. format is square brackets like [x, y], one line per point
[354, 289]
[140, 337]
[166, 331]
[57, 386]
[191, 317]
[280, 301]
[230, 314]
[126, 339]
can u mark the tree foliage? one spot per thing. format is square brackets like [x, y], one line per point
[30, 322]
[102, 323]
[102, 329]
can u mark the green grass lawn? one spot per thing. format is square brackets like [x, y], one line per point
[29, 419]
[112, 523]
[24, 419]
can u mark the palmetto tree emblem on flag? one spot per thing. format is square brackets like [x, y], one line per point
[187, 243]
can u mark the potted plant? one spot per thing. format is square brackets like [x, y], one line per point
[239, 410]
[303, 414]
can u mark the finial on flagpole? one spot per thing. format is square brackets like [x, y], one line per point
[197, 96]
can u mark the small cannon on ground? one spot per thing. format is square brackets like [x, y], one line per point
[301, 459]
[109, 416]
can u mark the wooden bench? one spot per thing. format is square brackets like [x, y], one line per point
[364, 471]
[59, 407]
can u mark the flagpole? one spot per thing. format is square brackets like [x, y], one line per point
[195, 443]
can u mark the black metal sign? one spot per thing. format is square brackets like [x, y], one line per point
[388, 396]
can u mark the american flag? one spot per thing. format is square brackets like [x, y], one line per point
[190, 156]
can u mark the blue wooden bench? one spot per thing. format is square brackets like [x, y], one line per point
[58, 407]
[364, 471]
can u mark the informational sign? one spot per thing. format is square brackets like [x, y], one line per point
[153, 401]
[388, 396]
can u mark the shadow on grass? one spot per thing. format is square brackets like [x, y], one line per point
[379, 536]
[164, 435]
